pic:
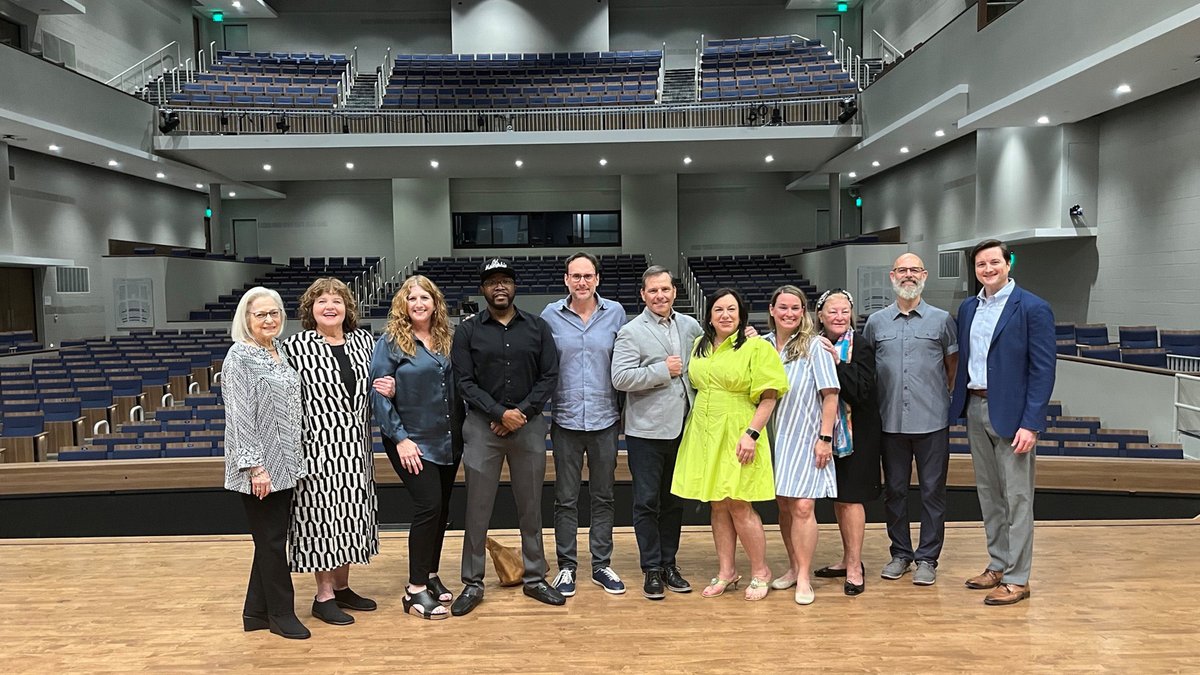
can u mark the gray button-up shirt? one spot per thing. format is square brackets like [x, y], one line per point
[910, 367]
[585, 399]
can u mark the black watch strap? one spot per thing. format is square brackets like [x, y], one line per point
[753, 433]
[827, 439]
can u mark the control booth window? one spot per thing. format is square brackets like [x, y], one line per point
[543, 229]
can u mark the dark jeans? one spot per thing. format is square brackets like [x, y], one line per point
[932, 452]
[270, 589]
[430, 490]
[657, 514]
[569, 448]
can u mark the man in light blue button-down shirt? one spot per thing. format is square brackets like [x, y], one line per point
[586, 413]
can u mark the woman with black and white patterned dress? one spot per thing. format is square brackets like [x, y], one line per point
[334, 514]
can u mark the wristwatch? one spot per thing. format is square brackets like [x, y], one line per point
[752, 433]
[827, 439]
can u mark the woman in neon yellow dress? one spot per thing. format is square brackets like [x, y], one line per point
[725, 455]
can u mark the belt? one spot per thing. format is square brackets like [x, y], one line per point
[981, 393]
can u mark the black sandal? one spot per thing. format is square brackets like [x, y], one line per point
[424, 604]
[439, 589]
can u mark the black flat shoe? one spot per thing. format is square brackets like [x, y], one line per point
[328, 611]
[288, 627]
[467, 601]
[855, 589]
[830, 573]
[439, 590]
[424, 605]
[255, 622]
[544, 592]
[348, 599]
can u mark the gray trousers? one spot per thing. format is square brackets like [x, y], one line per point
[483, 457]
[1004, 481]
[569, 448]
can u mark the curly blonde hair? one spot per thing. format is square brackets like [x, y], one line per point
[399, 327]
[796, 346]
[320, 287]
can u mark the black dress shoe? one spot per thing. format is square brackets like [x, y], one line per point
[467, 601]
[288, 627]
[856, 589]
[544, 592]
[675, 581]
[255, 622]
[830, 573]
[348, 599]
[328, 611]
[653, 588]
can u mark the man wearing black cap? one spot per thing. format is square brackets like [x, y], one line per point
[506, 365]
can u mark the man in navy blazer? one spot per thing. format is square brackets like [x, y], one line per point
[1005, 377]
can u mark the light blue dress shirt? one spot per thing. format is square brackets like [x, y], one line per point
[987, 315]
[585, 399]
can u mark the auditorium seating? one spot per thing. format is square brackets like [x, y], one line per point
[1083, 437]
[12, 342]
[266, 80]
[754, 276]
[290, 281]
[525, 80]
[770, 67]
[1136, 345]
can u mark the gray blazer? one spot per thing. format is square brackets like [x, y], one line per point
[656, 403]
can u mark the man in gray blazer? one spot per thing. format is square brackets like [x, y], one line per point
[650, 360]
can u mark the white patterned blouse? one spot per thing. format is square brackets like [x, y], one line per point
[262, 417]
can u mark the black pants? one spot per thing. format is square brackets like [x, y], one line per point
[932, 453]
[657, 514]
[270, 589]
[430, 491]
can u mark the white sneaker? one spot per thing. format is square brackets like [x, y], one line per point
[564, 582]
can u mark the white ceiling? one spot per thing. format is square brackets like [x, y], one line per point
[249, 9]
[47, 7]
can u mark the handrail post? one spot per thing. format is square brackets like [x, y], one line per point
[212, 52]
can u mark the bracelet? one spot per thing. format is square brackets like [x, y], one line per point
[259, 473]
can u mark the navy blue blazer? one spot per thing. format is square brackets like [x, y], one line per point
[1020, 364]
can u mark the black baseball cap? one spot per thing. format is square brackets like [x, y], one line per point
[496, 266]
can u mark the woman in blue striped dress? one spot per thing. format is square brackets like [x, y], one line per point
[804, 424]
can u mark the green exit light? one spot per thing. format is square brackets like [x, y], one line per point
[208, 213]
[843, 7]
[218, 17]
[858, 202]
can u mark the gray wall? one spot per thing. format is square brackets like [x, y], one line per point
[906, 23]
[322, 218]
[421, 222]
[63, 209]
[1093, 390]
[728, 214]
[650, 218]
[486, 26]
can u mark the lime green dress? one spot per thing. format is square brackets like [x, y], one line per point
[728, 385]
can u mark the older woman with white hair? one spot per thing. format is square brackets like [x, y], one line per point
[262, 454]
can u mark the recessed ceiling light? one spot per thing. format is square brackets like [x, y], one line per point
[1124, 89]
[519, 163]
[350, 166]
[266, 167]
[1043, 120]
[113, 162]
[687, 160]
[852, 174]
[875, 163]
[904, 149]
[232, 194]
[769, 158]
[160, 175]
[433, 163]
[54, 148]
[603, 162]
[939, 133]
[237, 4]
[199, 186]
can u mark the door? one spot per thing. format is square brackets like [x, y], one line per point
[827, 24]
[821, 227]
[18, 299]
[237, 37]
[245, 237]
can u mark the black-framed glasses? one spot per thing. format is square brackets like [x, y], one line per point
[581, 277]
[499, 281]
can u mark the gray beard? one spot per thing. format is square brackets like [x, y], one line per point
[909, 292]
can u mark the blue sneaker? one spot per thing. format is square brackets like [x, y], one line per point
[564, 582]
[606, 578]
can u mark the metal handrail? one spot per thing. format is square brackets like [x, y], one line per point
[141, 63]
[662, 74]
[696, 77]
[889, 48]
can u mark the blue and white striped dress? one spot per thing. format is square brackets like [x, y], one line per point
[797, 421]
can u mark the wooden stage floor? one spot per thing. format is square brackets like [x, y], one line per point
[1107, 596]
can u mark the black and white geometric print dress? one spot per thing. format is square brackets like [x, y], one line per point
[334, 508]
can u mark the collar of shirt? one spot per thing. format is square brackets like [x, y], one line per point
[662, 321]
[486, 316]
[1001, 294]
[565, 305]
[893, 310]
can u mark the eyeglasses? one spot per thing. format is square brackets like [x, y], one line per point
[262, 316]
[581, 277]
[908, 270]
[498, 281]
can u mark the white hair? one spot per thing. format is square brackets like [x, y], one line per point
[240, 330]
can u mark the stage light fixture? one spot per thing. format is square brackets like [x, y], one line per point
[282, 124]
[168, 121]
[849, 108]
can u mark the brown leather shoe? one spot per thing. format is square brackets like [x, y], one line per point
[989, 579]
[1006, 594]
